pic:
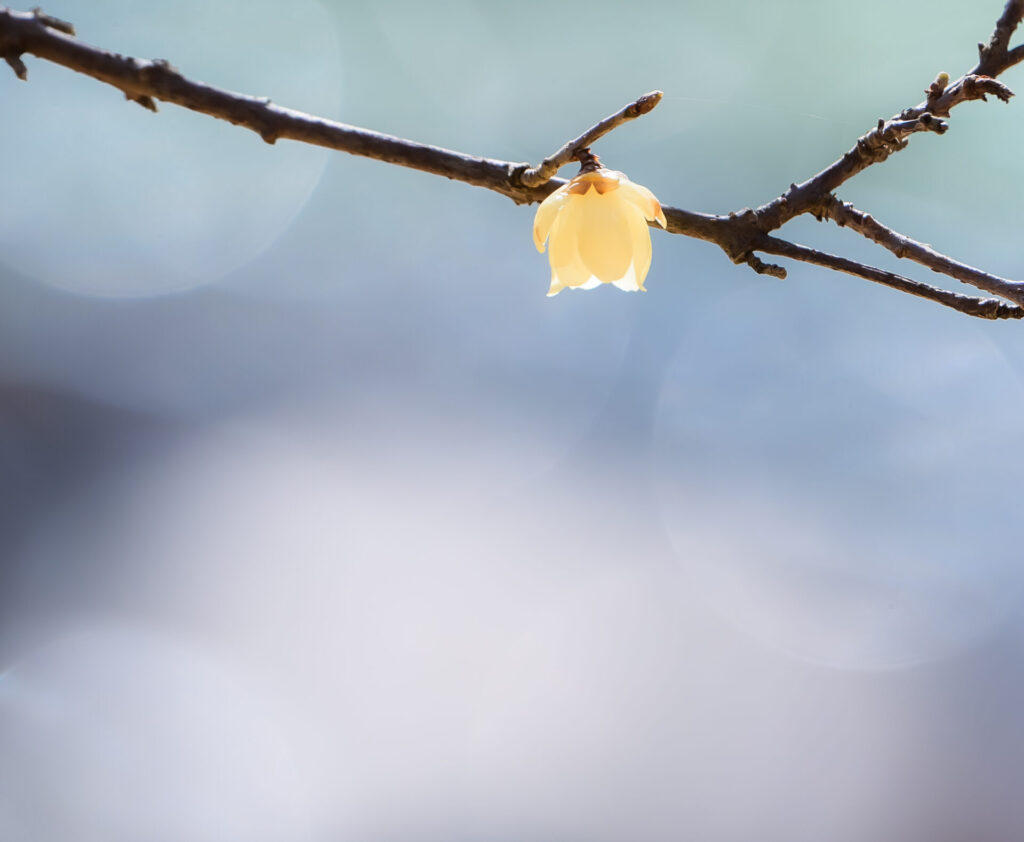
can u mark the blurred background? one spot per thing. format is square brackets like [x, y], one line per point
[319, 521]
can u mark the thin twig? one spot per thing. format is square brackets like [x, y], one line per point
[964, 89]
[547, 168]
[845, 214]
[984, 308]
[893, 134]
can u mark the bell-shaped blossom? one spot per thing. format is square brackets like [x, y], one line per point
[597, 230]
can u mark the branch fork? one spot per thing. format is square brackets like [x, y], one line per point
[741, 235]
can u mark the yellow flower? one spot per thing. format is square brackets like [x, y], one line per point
[597, 224]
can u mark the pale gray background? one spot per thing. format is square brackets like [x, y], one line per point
[320, 521]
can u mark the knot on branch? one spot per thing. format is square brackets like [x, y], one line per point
[928, 122]
[879, 143]
[50, 22]
[840, 212]
[155, 75]
[144, 100]
[893, 135]
[993, 308]
[762, 268]
[827, 208]
[158, 69]
[971, 86]
[16, 64]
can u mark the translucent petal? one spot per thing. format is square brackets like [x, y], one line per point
[628, 281]
[640, 234]
[604, 239]
[564, 233]
[644, 199]
[567, 269]
[546, 215]
[640, 237]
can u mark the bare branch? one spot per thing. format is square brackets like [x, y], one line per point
[872, 148]
[1015, 56]
[963, 89]
[994, 57]
[739, 235]
[547, 168]
[893, 134]
[147, 81]
[984, 308]
[762, 268]
[24, 32]
[844, 213]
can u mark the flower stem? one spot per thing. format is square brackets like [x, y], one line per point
[588, 160]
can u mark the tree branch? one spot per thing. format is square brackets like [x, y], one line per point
[845, 214]
[145, 82]
[993, 57]
[984, 308]
[537, 175]
[892, 135]
[739, 235]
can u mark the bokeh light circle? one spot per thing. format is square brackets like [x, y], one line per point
[834, 486]
[108, 199]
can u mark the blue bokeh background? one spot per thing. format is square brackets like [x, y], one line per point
[318, 520]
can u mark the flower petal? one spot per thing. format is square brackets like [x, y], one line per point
[546, 214]
[564, 234]
[604, 238]
[567, 268]
[644, 199]
[628, 281]
[641, 237]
